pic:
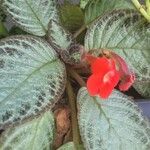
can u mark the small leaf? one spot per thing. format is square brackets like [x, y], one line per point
[128, 34]
[115, 123]
[37, 134]
[32, 16]
[71, 16]
[96, 8]
[31, 78]
[64, 43]
[60, 38]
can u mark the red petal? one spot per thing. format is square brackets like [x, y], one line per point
[102, 65]
[127, 82]
[108, 85]
[127, 76]
[93, 83]
[102, 85]
[89, 58]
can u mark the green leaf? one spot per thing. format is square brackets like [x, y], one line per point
[71, 16]
[2, 15]
[67, 146]
[32, 16]
[83, 3]
[3, 30]
[115, 123]
[31, 78]
[37, 134]
[16, 31]
[96, 8]
[128, 34]
[71, 146]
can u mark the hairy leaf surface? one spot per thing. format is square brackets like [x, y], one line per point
[32, 16]
[96, 8]
[37, 134]
[112, 124]
[60, 38]
[31, 78]
[128, 34]
[64, 43]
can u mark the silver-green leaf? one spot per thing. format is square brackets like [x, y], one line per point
[60, 38]
[112, 124]
[32, 16]
[37, 134]
[64, 43]
[31, 78]
[96, 8]
[128, 34]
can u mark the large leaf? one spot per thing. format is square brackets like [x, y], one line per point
[32, 16]
[33, 135]
[126, 33]
[31, 78]
[112, 124]
[96, 8]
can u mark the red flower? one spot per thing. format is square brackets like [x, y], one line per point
[127, 76]
[106, 73]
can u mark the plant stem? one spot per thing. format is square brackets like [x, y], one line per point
[76, 76]
[78, 32]
[74, 121]
[141, 9]
[148, 6]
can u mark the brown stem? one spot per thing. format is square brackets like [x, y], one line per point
[78, 32]
[76, 76]
[74, 121]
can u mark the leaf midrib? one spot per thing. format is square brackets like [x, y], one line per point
[36, 16]
[22, 83]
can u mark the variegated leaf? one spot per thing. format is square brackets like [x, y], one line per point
[64, 44]
[32, 16]
[96, 8]
[31, 78]
[60, 38]
[112, 124]
[128, 34]
[37, 134]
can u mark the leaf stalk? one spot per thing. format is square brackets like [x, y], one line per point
[74, 121]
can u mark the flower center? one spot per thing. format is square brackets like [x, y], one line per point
[108, 76]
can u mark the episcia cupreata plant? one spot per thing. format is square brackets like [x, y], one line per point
[40, 69]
